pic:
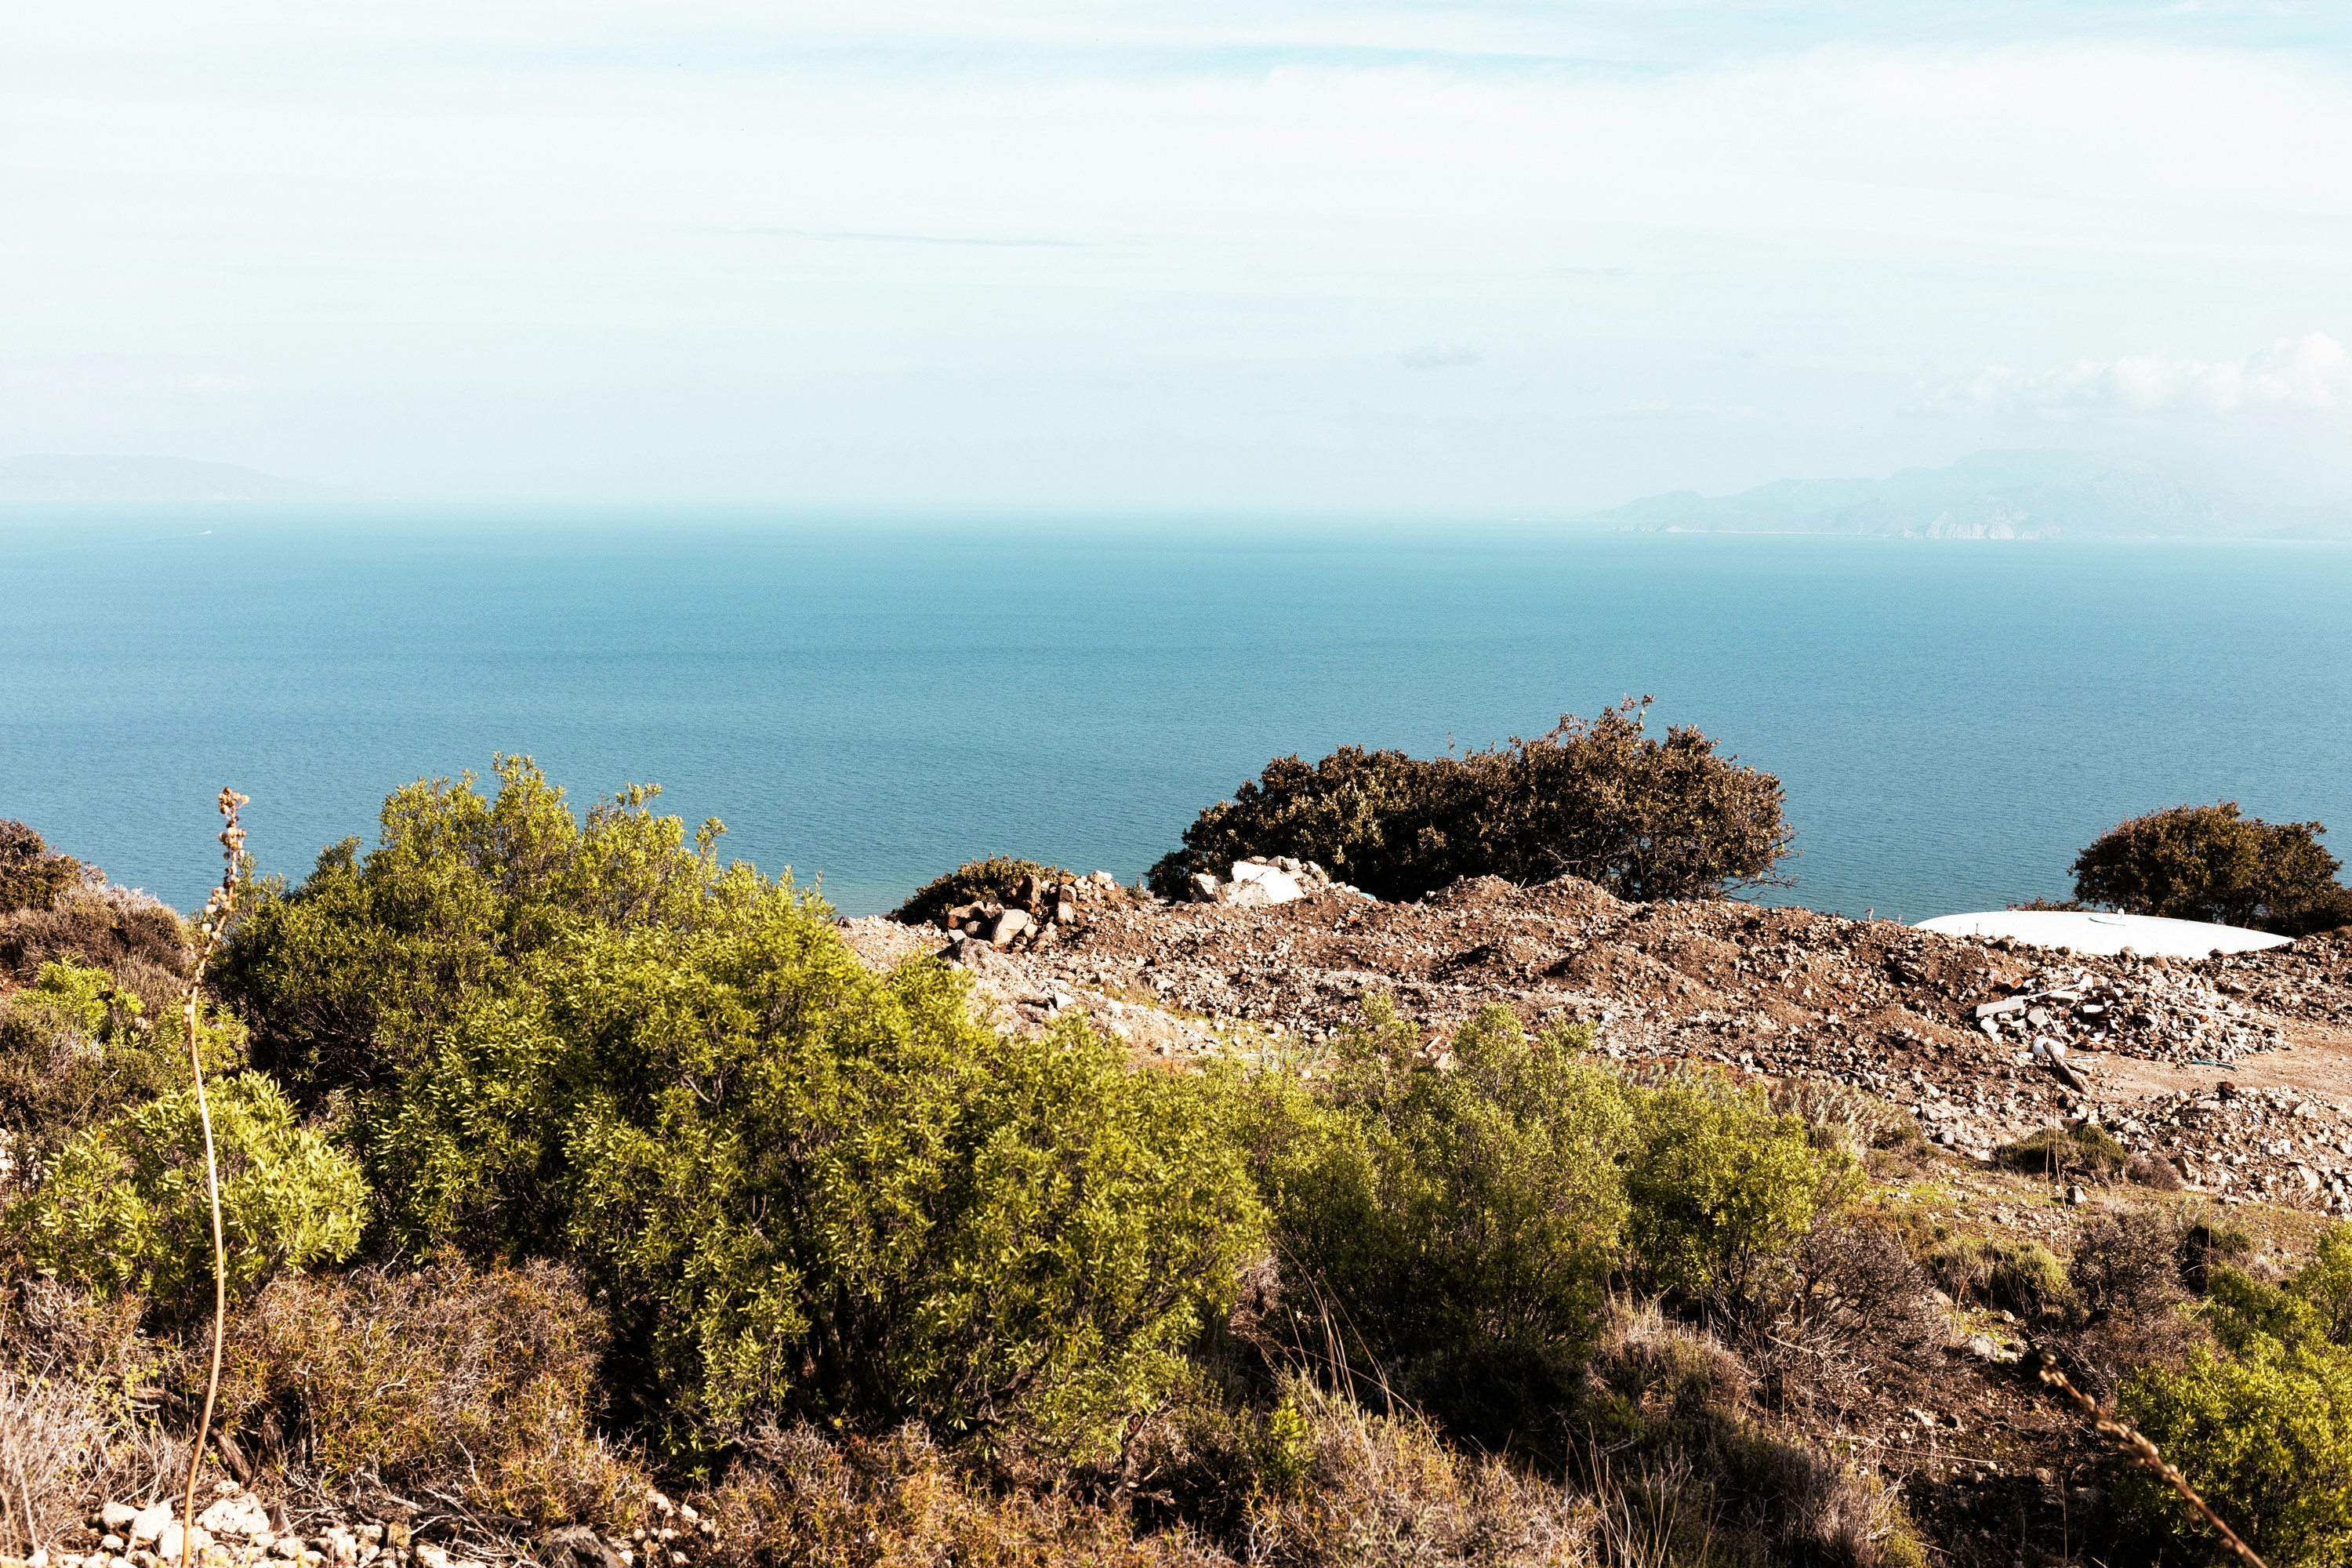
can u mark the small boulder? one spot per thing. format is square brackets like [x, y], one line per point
[148, 1523]
[577, 1546]
[1279, 884]
[168, 1543]
[238, 1515]
[1009, 924]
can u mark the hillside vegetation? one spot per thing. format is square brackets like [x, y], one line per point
[577, 1178]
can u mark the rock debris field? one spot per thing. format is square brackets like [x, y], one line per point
[2236, 1071]
[235, 1530]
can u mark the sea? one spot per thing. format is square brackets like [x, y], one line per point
[869, 700]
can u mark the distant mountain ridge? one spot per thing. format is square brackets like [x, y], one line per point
[2043, 493]
[52, 477]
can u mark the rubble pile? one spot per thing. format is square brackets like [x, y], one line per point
[1036, 914]
[1279, 880]
[237, 1530]
[2271, 1141]
[2141, 1009]
[2310, 979]
[1943, 1026]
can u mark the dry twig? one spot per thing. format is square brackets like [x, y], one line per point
[217, 910]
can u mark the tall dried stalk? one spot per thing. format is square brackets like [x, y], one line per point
[2133, 1441]
[217, 910]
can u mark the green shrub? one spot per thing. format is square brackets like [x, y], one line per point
[998, 877]
[2208, 863]
[1440, 1208]
[809, 1190]
[2264, 1433]
[2020, 1276]
[346, 980]
[2211, 1241]
[1599, 799]
[1722, 1189]
[2085, 1149]
[124, 1206]
[31, 873]
[74, 1051]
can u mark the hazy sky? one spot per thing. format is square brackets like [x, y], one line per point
[1244, 254]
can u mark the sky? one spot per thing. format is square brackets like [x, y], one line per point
[1236, 255]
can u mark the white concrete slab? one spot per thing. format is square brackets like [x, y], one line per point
[2101, 933]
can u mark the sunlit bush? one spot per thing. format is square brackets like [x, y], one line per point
[124, 1206]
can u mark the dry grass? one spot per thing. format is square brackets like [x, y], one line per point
[799, 1497]
[72, 1372]
[469, 1391]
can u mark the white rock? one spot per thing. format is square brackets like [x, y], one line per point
[148, 1523]
[167, 1544]
[235, 1515]
[116, 1517]
[1280, 885]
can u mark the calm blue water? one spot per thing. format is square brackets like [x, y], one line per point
[875, 703]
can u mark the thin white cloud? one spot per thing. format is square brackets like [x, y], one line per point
[1439, 356]
[2312, 372]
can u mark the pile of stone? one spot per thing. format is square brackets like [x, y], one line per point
[2273, 1142]
[2146, 1011]
[1278, 880]
[236, 1531]
[1036, 913]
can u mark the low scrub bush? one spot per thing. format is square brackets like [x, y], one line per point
[2084, 1149]
[473, 1383]
[70, 1363]
[347, 980]
[2126, 1281]
[136, 940]
[31, 873]
[2211, 1241]
[2021, 1276]
[802, 1497]
[1601, 799]
[2211, 863]
[997, 879]
[826, 1195]
[1722, 1189]
[75, 1051]
[2264, 1430]
[1447, 1205]
[806, 1190]
[123, 1207]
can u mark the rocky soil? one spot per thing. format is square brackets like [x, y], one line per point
[237, 1528]
[2235, 1070]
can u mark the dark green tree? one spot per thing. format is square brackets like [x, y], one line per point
[2212, 863]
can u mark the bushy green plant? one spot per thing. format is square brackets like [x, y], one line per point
[1452, 1204]
[825, 1193]
[2264, 1433]
[2211, 863]
[346, 979]
[1644, 817]
[1722, 1189]
[998, 877]
[2021, 1277]
[75, 1049]
[123, 1206]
